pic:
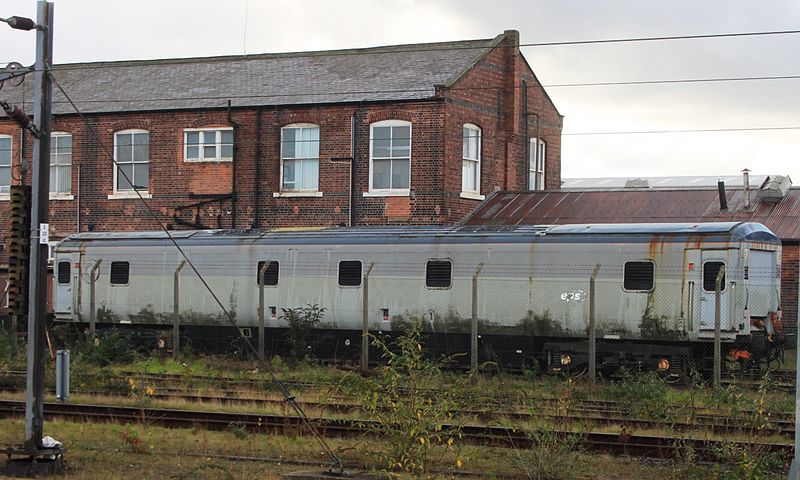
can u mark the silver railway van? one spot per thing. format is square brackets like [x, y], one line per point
[655, 281]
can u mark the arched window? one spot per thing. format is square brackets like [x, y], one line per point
[300, 157]
[390, 157]
[132, 157]
[471, 159]
[536, 169]
[5, 163]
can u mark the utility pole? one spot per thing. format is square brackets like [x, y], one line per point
[37, 287]
[35, 462]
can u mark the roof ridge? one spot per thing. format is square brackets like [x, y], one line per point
[482, 43]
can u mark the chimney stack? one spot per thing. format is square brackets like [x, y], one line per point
[746, 185]
[723, 199]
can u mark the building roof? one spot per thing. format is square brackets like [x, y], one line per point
[401, 72]
[681, 182]
[639, 206]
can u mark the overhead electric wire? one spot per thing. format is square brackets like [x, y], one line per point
[287, 396]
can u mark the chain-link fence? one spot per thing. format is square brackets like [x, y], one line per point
[559, 318]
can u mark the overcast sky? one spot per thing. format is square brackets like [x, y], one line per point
[92, 30]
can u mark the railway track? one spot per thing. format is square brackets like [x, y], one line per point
[518, 407]
[613, 443]
[585, 415]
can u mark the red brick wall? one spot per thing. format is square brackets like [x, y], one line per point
[494, 95]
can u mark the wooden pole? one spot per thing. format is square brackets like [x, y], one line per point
[365, 321]
[592, 328]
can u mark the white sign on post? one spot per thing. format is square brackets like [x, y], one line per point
[44, 233]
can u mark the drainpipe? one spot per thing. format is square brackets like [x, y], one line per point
[235, 126]
[351, 160]
[527, 138]
[257, 214]
[22, 169]
[352, 202]
[78, 202]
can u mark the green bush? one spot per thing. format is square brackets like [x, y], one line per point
[109, 346]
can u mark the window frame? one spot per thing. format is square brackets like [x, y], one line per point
[111, 269]
[266, 273]
[339, 273]
[537, 174]
[5, 189]
[58, 272]
[465, 158]
[389, 191]
[441, 260]
[200, 146]
[652, 279]
[724, 277]
[283, 187]
[57, 167]
[117, 164]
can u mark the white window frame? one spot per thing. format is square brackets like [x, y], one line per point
[300, 191]
[200, 146]
[536, 172]
[470, 130]
[385, 192]
[56, 195]
[132, 192]
[5, 189]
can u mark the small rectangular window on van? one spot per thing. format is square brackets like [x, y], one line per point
[63, 272]
[439, 274]
[710, 272]
[120, 273]
[350, 273]
[639, 276]
[270, 274]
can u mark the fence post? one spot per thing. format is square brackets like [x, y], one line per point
[176, 314]
[718, 327]
[92, 308]
[365, 321]
[592, 329]
[474, 336]
[261, 272]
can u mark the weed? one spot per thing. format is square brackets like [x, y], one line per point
[302, 322]
[551, 455]
[539, 325]
[411, 400]
[238, 430]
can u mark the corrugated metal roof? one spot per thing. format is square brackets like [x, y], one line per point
[638, 206]
[402, 72]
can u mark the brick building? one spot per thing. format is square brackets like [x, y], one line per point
[264, 141]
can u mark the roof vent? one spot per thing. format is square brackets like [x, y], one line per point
[637, 183]
[774, 188]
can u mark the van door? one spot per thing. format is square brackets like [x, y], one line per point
[693, 284]
[712, 262]
[64, 279]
